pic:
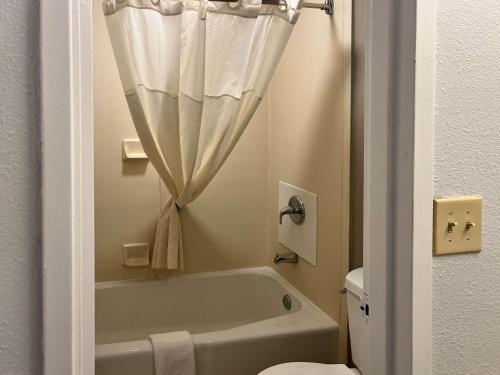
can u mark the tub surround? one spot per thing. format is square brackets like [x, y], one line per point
[309, 148]
[129, 195]
[298, 136]
[357, 133]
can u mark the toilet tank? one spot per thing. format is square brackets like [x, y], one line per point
[358, 324]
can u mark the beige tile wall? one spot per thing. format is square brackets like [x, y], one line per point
[300, 135]
[357, 133]
[126, 194]
[309, 147]
[226, 227]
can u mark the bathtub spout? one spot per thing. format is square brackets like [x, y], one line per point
[290, 257]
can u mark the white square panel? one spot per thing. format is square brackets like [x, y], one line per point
[301, 239]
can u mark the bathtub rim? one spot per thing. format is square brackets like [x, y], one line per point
[297, 322]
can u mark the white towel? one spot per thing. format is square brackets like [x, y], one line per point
[173, 353]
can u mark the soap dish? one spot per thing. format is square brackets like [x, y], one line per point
[136, 254]
[132, 150]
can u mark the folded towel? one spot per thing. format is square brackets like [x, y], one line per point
[173, 353]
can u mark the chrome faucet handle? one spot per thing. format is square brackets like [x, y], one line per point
[286, 211]
[295, 209]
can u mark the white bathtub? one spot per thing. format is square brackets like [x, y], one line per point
[237, 318]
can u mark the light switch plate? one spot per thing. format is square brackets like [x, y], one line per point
[457, 225]
[301, 239]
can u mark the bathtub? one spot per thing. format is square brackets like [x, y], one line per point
[238, 321]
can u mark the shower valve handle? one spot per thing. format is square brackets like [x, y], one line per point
[295, 209]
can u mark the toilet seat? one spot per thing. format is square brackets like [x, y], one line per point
[304, 368]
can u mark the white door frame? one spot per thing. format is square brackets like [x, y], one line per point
[399, 140]
[67, 187]
[423, 186]
[398, 148]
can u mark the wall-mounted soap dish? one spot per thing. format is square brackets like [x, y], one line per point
[132, 150]
[136, 254]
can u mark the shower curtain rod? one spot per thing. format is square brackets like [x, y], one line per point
[327, 6]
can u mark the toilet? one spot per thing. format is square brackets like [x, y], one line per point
[358, 327]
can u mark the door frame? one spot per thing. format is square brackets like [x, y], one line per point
[398, 214]
[67, 187]
[398, 186]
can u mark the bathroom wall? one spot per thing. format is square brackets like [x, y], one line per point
[20, 202]
[127, 195]
[310, 144]
[466, 336]
[357, 132]
[225, 228]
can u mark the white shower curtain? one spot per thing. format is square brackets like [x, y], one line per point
[193, 73]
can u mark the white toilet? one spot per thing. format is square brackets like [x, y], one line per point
[358, 331]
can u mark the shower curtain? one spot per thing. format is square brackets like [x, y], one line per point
[193, 73]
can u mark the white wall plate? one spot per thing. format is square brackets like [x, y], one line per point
[301, 239]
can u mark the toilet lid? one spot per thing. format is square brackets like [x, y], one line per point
[304, 368]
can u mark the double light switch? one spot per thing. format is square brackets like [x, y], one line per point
[457, 225]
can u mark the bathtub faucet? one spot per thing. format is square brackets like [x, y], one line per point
[289, 257]
[295, 209]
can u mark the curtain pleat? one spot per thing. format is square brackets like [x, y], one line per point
[194, 73]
